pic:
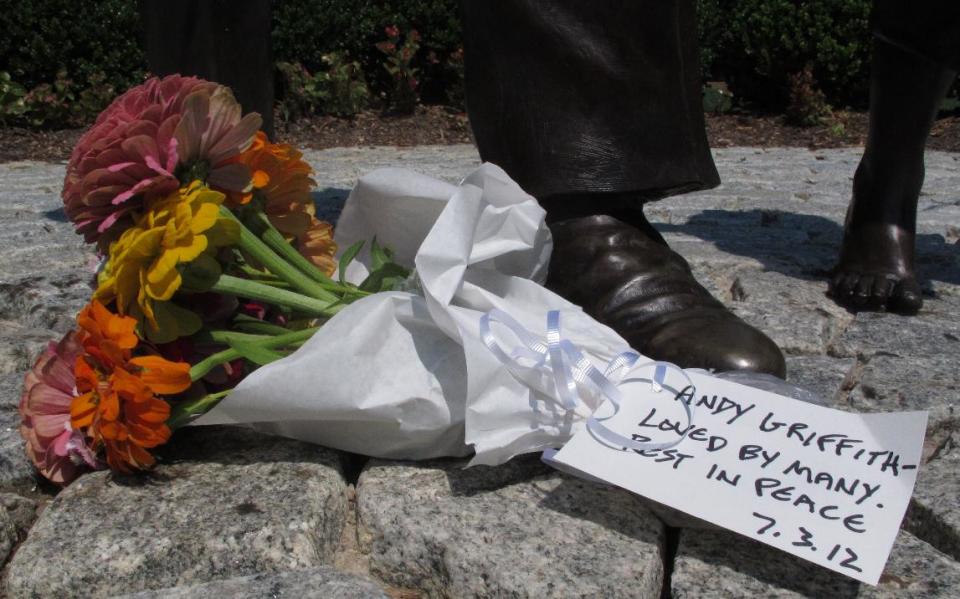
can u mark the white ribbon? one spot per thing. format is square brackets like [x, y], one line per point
[570, 369]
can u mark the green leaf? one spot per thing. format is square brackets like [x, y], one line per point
[347, 258]
[379, 255]
[384, 278]
[201, 274]
[253, 352]
[173, 322]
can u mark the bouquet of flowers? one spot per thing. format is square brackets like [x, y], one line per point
[213, 263]
[218, 301]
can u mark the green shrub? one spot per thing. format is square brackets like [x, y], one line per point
[12, 106]
[756, 45]
[62, 103]
[340, 90]
[305, 31]
[404, 95]
[300, 93]
[42, 38]
[51, 104]
[345, 88]
[808, 105]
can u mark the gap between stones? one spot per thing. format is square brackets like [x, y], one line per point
[671, 545]
[921, 521]
[348, 556]
[850, 380]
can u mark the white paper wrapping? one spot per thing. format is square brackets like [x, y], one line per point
[404, 375]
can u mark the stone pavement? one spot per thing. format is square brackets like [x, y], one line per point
[240, 514]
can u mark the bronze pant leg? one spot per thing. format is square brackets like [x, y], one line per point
[227, 41]
[930, 28]
[574, 97]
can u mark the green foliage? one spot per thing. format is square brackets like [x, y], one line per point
[756, 45]
[61, 103]
[51, 104]
[11, 99]
[305, 31]
[716, 97]
[808, 105]
[300, 93]
[95, 96]
[72, 57]
[41, 38]
[344, 86]
[340, 90]
[456, 85]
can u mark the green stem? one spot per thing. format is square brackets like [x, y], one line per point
[250, 324]
[185, 412]
[231, 285]
[203, 367]
[255, 273]
[262, 253]
[274, 238]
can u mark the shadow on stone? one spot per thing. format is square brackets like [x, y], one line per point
[329, 203]
[466, 482]
[234, 445]
[605, 506]
[718, 553]
[57, 214]
[803, 246]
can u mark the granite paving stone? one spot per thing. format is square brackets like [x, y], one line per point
[16, 471]
[518, 530]
[824, 375]
[322, 583]
[712, 564]
[224, 503]
[17, 514]
[935, 511]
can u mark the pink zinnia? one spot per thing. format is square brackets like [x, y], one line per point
[129, 151]
[210, 135]
[58, 451]
[141, 143]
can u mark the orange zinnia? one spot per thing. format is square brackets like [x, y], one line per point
[282, 179]
[318, 246]
[117, 404]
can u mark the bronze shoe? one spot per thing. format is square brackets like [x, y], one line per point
[646, 292]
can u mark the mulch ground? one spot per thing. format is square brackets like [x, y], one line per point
[443, 125]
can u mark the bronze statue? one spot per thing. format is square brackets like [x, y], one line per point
[594, 108]
[219, 40]
[915, 60]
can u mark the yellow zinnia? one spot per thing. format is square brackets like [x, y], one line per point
[142, 272]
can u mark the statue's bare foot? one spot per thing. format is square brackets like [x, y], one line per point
[876, 270]
[876, 266]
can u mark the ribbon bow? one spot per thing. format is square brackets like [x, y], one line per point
[570, 369]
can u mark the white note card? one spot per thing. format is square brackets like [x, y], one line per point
[828, 486]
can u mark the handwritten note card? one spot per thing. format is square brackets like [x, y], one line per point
[828, 486]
